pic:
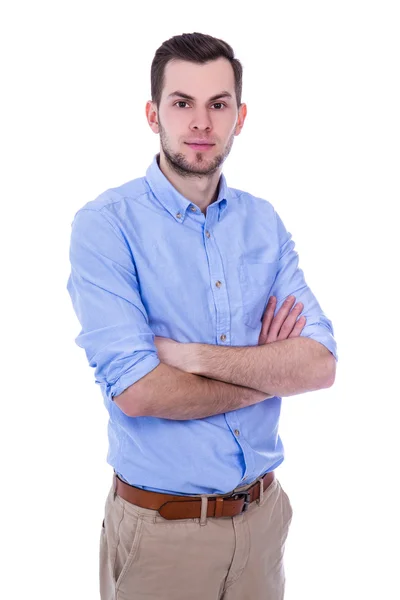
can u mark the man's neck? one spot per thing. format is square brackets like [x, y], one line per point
[202, 191]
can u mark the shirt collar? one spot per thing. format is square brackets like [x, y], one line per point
[172, 200]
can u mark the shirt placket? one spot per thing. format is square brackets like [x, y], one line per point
[217, 281]
[223, 323]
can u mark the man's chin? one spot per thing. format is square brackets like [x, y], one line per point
[187, 164]
[201, 169]
[201, 164]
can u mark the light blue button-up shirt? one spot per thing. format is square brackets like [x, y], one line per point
[146, 262]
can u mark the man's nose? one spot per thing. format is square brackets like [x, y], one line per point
[201, 120]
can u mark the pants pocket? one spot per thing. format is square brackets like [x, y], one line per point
[121, 533]
[287, 513]
[128, 544]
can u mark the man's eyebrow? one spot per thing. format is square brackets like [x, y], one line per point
[223, 94]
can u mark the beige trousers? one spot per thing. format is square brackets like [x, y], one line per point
[146, 557]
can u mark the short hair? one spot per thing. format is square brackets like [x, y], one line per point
[193, 47]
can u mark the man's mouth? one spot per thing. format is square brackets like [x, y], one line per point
[199, 145]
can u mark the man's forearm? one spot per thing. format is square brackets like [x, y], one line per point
[281, 368]
[169, 393]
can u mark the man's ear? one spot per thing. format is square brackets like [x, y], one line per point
[152, 116]
[241, 118]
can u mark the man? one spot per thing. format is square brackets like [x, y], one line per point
[185, 290]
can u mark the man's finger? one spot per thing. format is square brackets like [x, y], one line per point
[290, 321]
[267, 319]
[298, 328]
[280, 318]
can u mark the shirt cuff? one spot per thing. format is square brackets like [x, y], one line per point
[320, 334]
[136, 372]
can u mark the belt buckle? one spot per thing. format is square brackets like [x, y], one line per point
[247, 500]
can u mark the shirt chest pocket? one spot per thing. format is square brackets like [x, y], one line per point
[256, 281]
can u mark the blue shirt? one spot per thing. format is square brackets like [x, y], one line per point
[146, 261]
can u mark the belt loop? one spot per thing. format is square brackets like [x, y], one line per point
[204, 505]
[260, 499]
[115, 484]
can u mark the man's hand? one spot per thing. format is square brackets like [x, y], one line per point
[281, 327]
[284, 325]
[175, 354]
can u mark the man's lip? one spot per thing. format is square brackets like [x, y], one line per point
[199, 144]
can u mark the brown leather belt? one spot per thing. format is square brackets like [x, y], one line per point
[189, 507]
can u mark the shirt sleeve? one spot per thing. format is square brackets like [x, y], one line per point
[104, 290]
[290, 281]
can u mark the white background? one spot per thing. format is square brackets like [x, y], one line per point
[321, 142]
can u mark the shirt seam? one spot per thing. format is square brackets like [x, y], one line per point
[117, 231]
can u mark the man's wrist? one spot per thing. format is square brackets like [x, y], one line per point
[193, 358]
[203, 358]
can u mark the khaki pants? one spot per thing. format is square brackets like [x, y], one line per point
[146, 557]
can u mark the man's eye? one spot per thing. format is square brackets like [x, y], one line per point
[219, 105]
[181, 102]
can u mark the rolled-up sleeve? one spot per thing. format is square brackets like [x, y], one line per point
[290, 281]
[103, 287]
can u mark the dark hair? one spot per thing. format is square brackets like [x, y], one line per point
[196, 48]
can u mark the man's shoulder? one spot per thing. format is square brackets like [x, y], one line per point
[249, 200]
[115, 196]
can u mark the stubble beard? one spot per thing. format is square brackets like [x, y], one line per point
[203, 167]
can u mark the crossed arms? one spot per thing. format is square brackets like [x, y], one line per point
[167, 379]
[198, 380]
[282, 368]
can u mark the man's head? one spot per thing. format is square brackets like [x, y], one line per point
[196, 87]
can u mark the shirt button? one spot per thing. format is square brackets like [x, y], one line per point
[208, 234]
[237, 432]
[222, 337]
[193, 208]
[218, 284]
[178, 215]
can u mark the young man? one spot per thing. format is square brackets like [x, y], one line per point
[185, 290]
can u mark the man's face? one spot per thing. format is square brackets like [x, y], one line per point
[198, 115]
